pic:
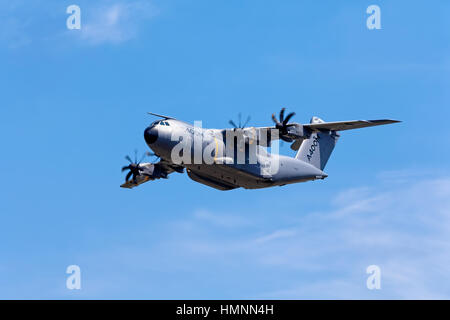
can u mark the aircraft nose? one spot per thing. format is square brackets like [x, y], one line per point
[150, 135]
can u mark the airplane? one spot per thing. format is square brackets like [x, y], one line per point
[239, 157]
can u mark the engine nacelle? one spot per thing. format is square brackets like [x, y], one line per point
[153, 171]
[297, 131]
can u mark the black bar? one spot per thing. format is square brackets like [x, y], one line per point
[222, 309]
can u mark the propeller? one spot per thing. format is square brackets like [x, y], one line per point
[134, 167]
[240, 126]
[283, 124]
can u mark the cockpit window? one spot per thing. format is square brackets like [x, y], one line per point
[162, 123]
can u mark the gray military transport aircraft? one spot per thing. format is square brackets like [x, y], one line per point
[227, 159]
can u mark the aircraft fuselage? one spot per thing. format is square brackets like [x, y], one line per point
[259, 169]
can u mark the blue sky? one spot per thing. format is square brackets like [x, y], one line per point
[74, 103]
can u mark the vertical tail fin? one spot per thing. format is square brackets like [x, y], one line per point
[317, 149]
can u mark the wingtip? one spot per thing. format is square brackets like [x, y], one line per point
[393, 121]
[384, 121]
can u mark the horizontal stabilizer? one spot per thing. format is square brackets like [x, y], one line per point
[347, 125]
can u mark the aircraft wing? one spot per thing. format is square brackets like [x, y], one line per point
[139, 180]
[262, 134]
[347, 125]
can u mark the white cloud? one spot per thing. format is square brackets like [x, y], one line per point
[404, 228]
[42, 22]
[277, 234]
[223, 220]
[115, 22]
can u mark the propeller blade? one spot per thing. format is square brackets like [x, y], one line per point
[152, 154]
[274, 119]
[246, 122]
[296, 145]
[282, 114]
[232, 123]
[128, 176]
[129, 159]
[125, 168]
[289, 116]
[142, 158]
[241, 125]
